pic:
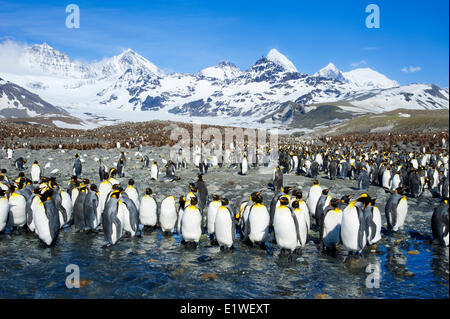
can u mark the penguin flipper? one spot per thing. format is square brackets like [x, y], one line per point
[297, 227]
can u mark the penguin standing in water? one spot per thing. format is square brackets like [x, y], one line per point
[133, 193]
[102, 170]
[301, 223]
[286, 228]
[275, 201]
[322, 203]
[330, 230]
[17, 208]
[191, 224]
[35, 173]
[224, 225]
[211, 215]
[112, 219]
[77, 167]
[396, 210]
[32, 202]
[277, 179]
[297, 194]
[46, 218]
[148, 210]
[4, 209]
[353, 226]
[313, 197]
[439, 223]
[168, 215]
[91, 209]
[154, 171]
[373, 221]
[130, 215]
[258, 222]
[78, 209]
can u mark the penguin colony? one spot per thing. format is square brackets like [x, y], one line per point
[41, 205]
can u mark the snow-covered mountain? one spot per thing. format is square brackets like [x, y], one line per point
[16, 101]
[128, 87]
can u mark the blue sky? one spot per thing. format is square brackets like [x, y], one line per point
[411, 45]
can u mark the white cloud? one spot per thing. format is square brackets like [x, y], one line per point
[411, 69]
[356, 64]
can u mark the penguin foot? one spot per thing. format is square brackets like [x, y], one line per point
[214, 242]
[106, 245]
[298, 251]
[191, 245]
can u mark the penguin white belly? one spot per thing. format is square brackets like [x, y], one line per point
[223, 227]
[395, 181]
[313, 198]
[17, 206]
[180, 218]
[74, 195]
[414, 163]
[35, 173]
[302, 226]
[103, 191]
[259, 220]
[154, 172]
[211, 215]
[402, 211]
[147, 211]
[191, 224]
[42, 224]
[284, 228]
[132, 193]
[4, 209]
[126, 220]
[244, 166]
[332, 228]
[66, 202]
[435, 179]
[377, 220]
[386, 179]
[350, 228]
[446, 239]
[302, 205]
[168, 215]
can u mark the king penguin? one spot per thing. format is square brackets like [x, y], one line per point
[211, 215]
[301, 223]
[286, 228]
[439, 223]
[330, 230]
[224, 225]
[168, 215]
[258, 222]
[46, 218]
[313, 197]
[396, 210]
[373, 221]
[154, 171]
[191, 224]
[130, 215]
[133, 193]
[353, 226]
[148, 210]
[91, 209]
[35, 173]
[17, 208]
[78, 209]
[322, 203]
[112, 219]
[4, 209]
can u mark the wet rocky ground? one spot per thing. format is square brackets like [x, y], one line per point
[157, 266]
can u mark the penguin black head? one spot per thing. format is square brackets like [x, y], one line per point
[257, 198]
[194, 201]
[47, 195]
[131, 182]
[2, 192]
[4, 171]
[215, 197]
[200, 177]
[254, 195]
[148, 191]
[334, 202]
[182, 201]
[21, 174]
[115, 194]
[77, 155]
[287, 189]
[325, 191]
[373, 201]
[295, 204]
[12, 188]
[316, 182]
[112, 172]
[154, 162]
[193, 187]
[37, 190]
[224, 201]
[297, 193]
[74, 178]
[346, 199]
[284, 201]
[93, 188]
